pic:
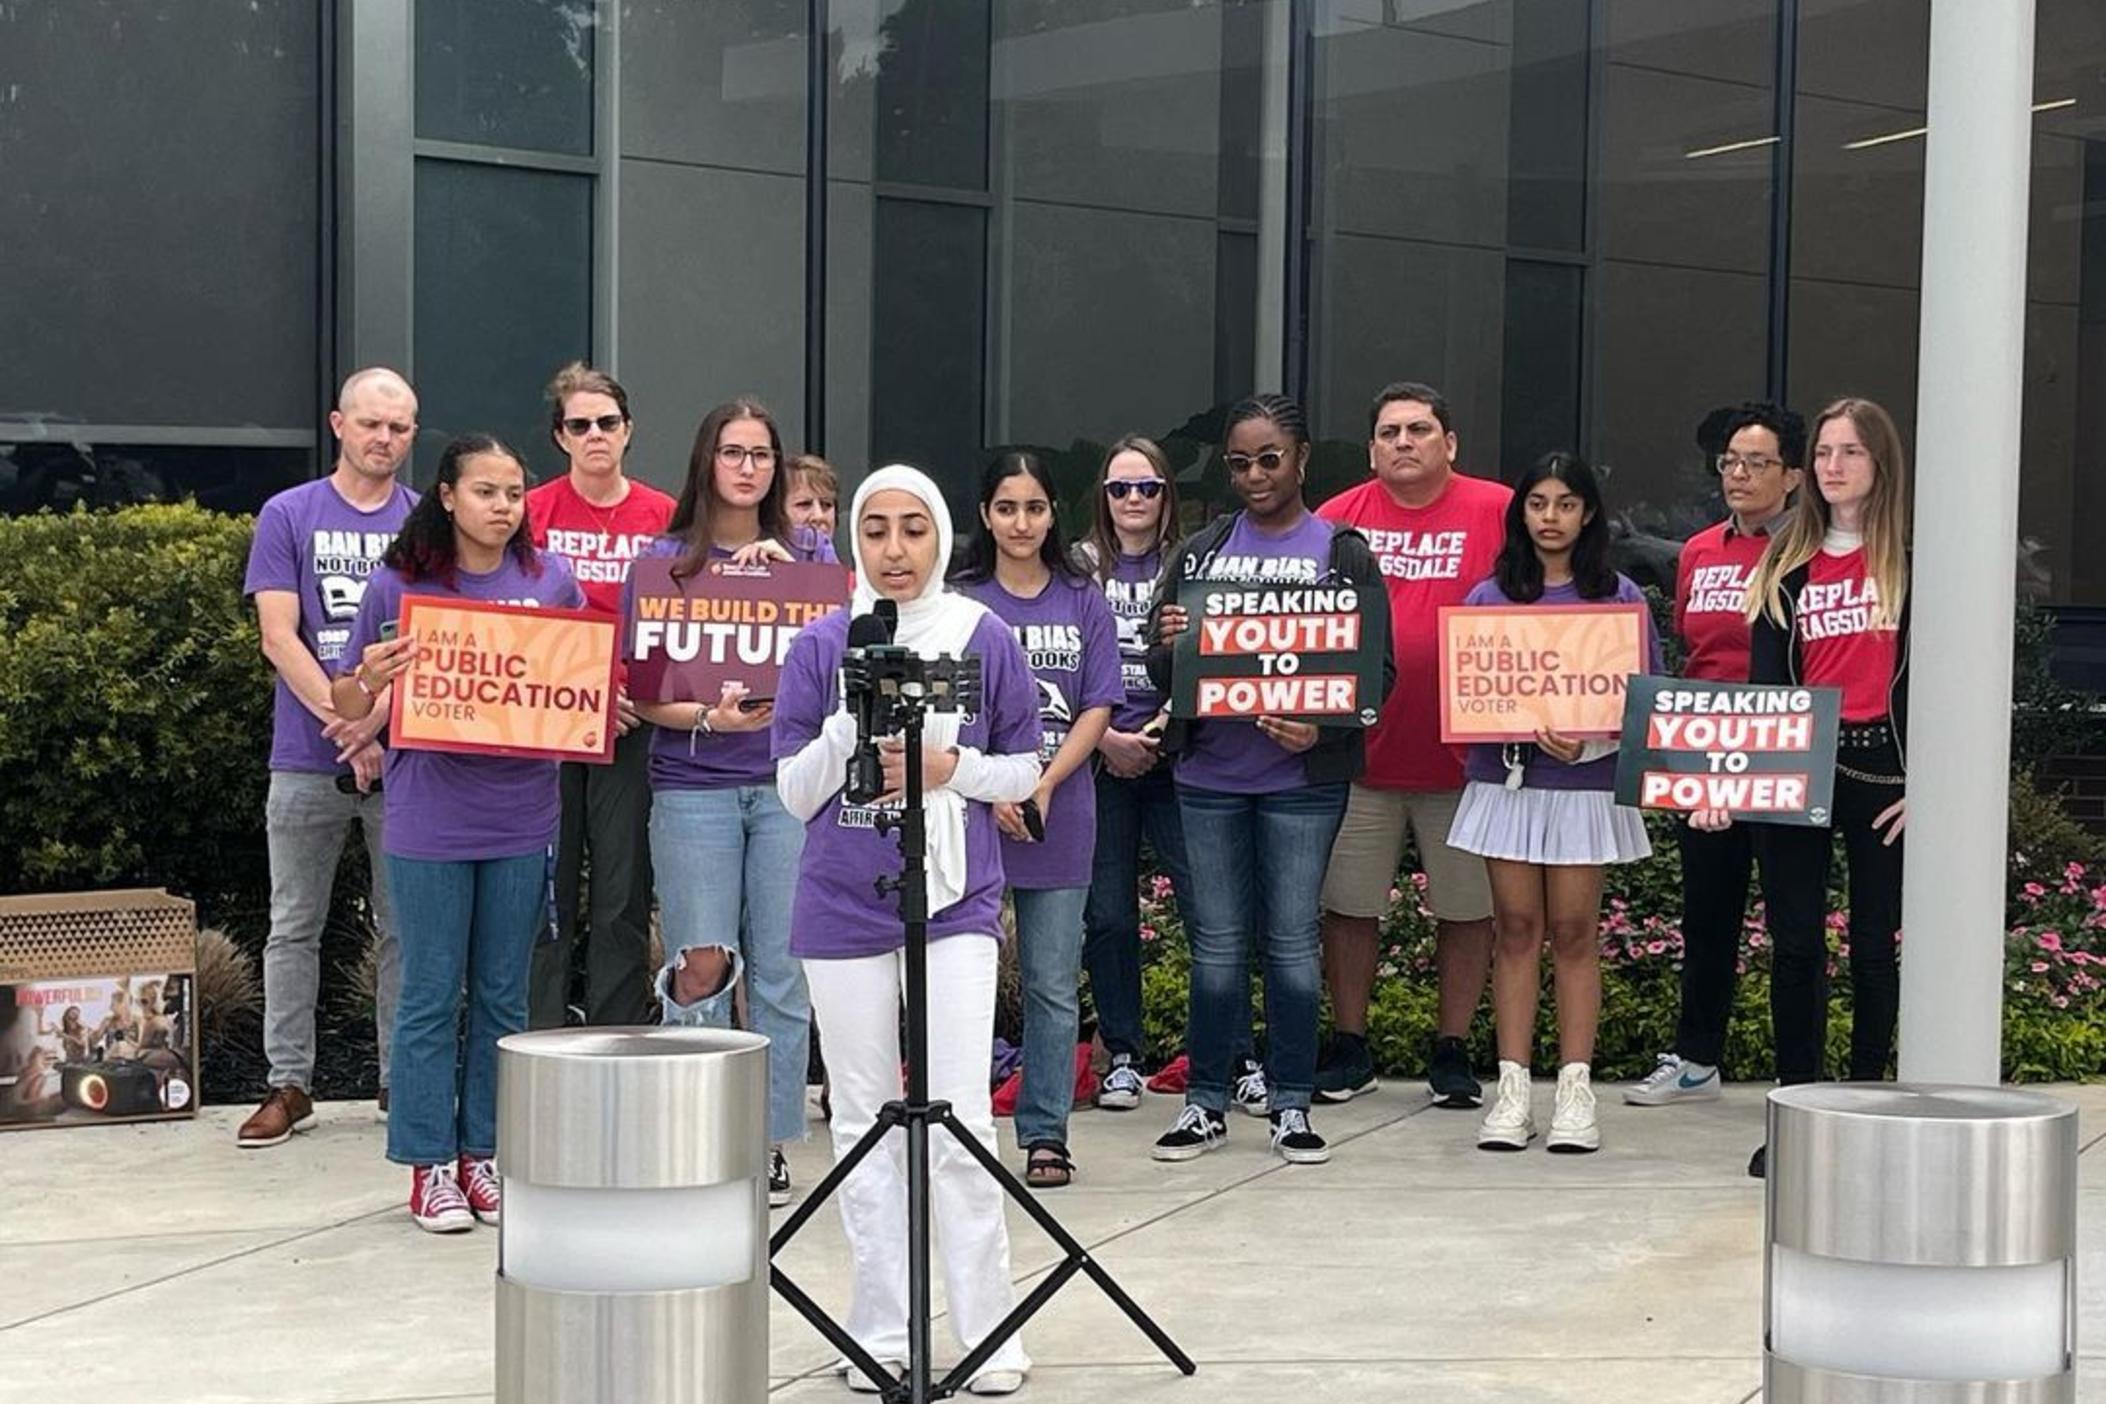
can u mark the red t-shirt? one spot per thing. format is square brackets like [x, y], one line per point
[1838, 643]
[1711, 600]
[600, 543]
[1429, 556]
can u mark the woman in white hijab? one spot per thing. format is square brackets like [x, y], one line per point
[851, 939]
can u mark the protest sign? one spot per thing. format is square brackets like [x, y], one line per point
[725, 623]
[1757, 752]
[1509, 671]
[1306, 652]
[506, 680]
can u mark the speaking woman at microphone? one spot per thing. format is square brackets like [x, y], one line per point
[851, 939]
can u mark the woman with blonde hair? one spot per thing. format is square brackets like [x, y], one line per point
[1828, 607]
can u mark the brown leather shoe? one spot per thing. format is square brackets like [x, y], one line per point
[286, 1110]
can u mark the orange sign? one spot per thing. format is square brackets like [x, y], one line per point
[506, 680]
[1509, 671]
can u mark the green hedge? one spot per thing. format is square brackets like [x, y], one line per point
[135, 710]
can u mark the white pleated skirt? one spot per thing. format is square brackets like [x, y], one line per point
[1558, 828]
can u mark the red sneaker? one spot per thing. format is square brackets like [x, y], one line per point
[1172, 1079]
[436, 1201]
[481, 1187]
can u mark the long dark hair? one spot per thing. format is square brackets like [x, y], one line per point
[1104, 536]
[1519, 572]
[976, 555]
[425, 548]
[695, 513]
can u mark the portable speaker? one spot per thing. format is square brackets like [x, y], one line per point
[119, 1088]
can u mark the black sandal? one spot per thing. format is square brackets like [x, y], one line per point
[1046, 1165]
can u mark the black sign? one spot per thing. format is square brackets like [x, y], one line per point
[1306, 652]
[1757, 752]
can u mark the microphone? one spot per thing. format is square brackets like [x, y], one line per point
[866, 774]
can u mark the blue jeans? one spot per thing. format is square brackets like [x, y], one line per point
[467, 925]
[726, 862]
[1049, 955]
[1265, 857]
[1127, 812]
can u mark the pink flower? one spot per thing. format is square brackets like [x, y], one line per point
[2049, 940]
[2033, 892]
[1656, 948]
[2073, 870]
[2060, 1001]
[1395, 893]
[1160, 888]
[1147, 932]
[2040, 967]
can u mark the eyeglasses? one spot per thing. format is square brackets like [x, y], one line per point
[1239, 463]
[1756, 464]
[580, 426]
[1149, 488]
[733, 455]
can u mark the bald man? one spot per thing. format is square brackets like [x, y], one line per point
[314, 547]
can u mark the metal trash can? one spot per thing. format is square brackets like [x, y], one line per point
[1920, 1246]
[633, 1255]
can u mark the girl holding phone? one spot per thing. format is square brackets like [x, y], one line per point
[721, 840]
[1018, 566]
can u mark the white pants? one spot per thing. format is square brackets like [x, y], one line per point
[857, 1004]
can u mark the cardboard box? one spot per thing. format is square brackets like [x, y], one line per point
[98, 1008]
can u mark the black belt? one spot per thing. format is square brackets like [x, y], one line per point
[1865, 736]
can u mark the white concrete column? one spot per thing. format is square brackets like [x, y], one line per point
[1977, 167]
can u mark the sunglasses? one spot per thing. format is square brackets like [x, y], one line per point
[1270, 461]
[1118, 488]
[580, 426]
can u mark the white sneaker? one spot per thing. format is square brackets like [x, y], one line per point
[1123, 1085]
[1674, 1079]
[995, 1382]
[1250, 1093]
[1510, 1123]
[860, 1383]
[1573, 1129]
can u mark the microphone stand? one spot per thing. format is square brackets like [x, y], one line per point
[916, 1113]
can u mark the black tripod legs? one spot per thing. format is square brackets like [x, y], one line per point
[1077, 1259]
[917, 1387]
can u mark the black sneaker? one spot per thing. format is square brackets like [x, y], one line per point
[1295, 1140]
[1454, 1085]
[1348, 1072]
[1195, 1132]
[778, 1179]
[1759, 1163]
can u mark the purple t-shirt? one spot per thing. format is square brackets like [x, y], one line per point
[1539, 772]
[837, 914]
[444, 807]
[310, 541]
[681, 760]
[1130, 591]
[1071, 642]
[1234, 756]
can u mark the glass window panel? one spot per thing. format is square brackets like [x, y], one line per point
[506, 73]
[60, 476]
[927, 386]
[715, 84]
[160, 234]
[931, 94]
[503, 297]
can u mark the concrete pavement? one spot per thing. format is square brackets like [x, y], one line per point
[160, 1260]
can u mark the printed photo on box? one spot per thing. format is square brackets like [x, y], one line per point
[88, 1050]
